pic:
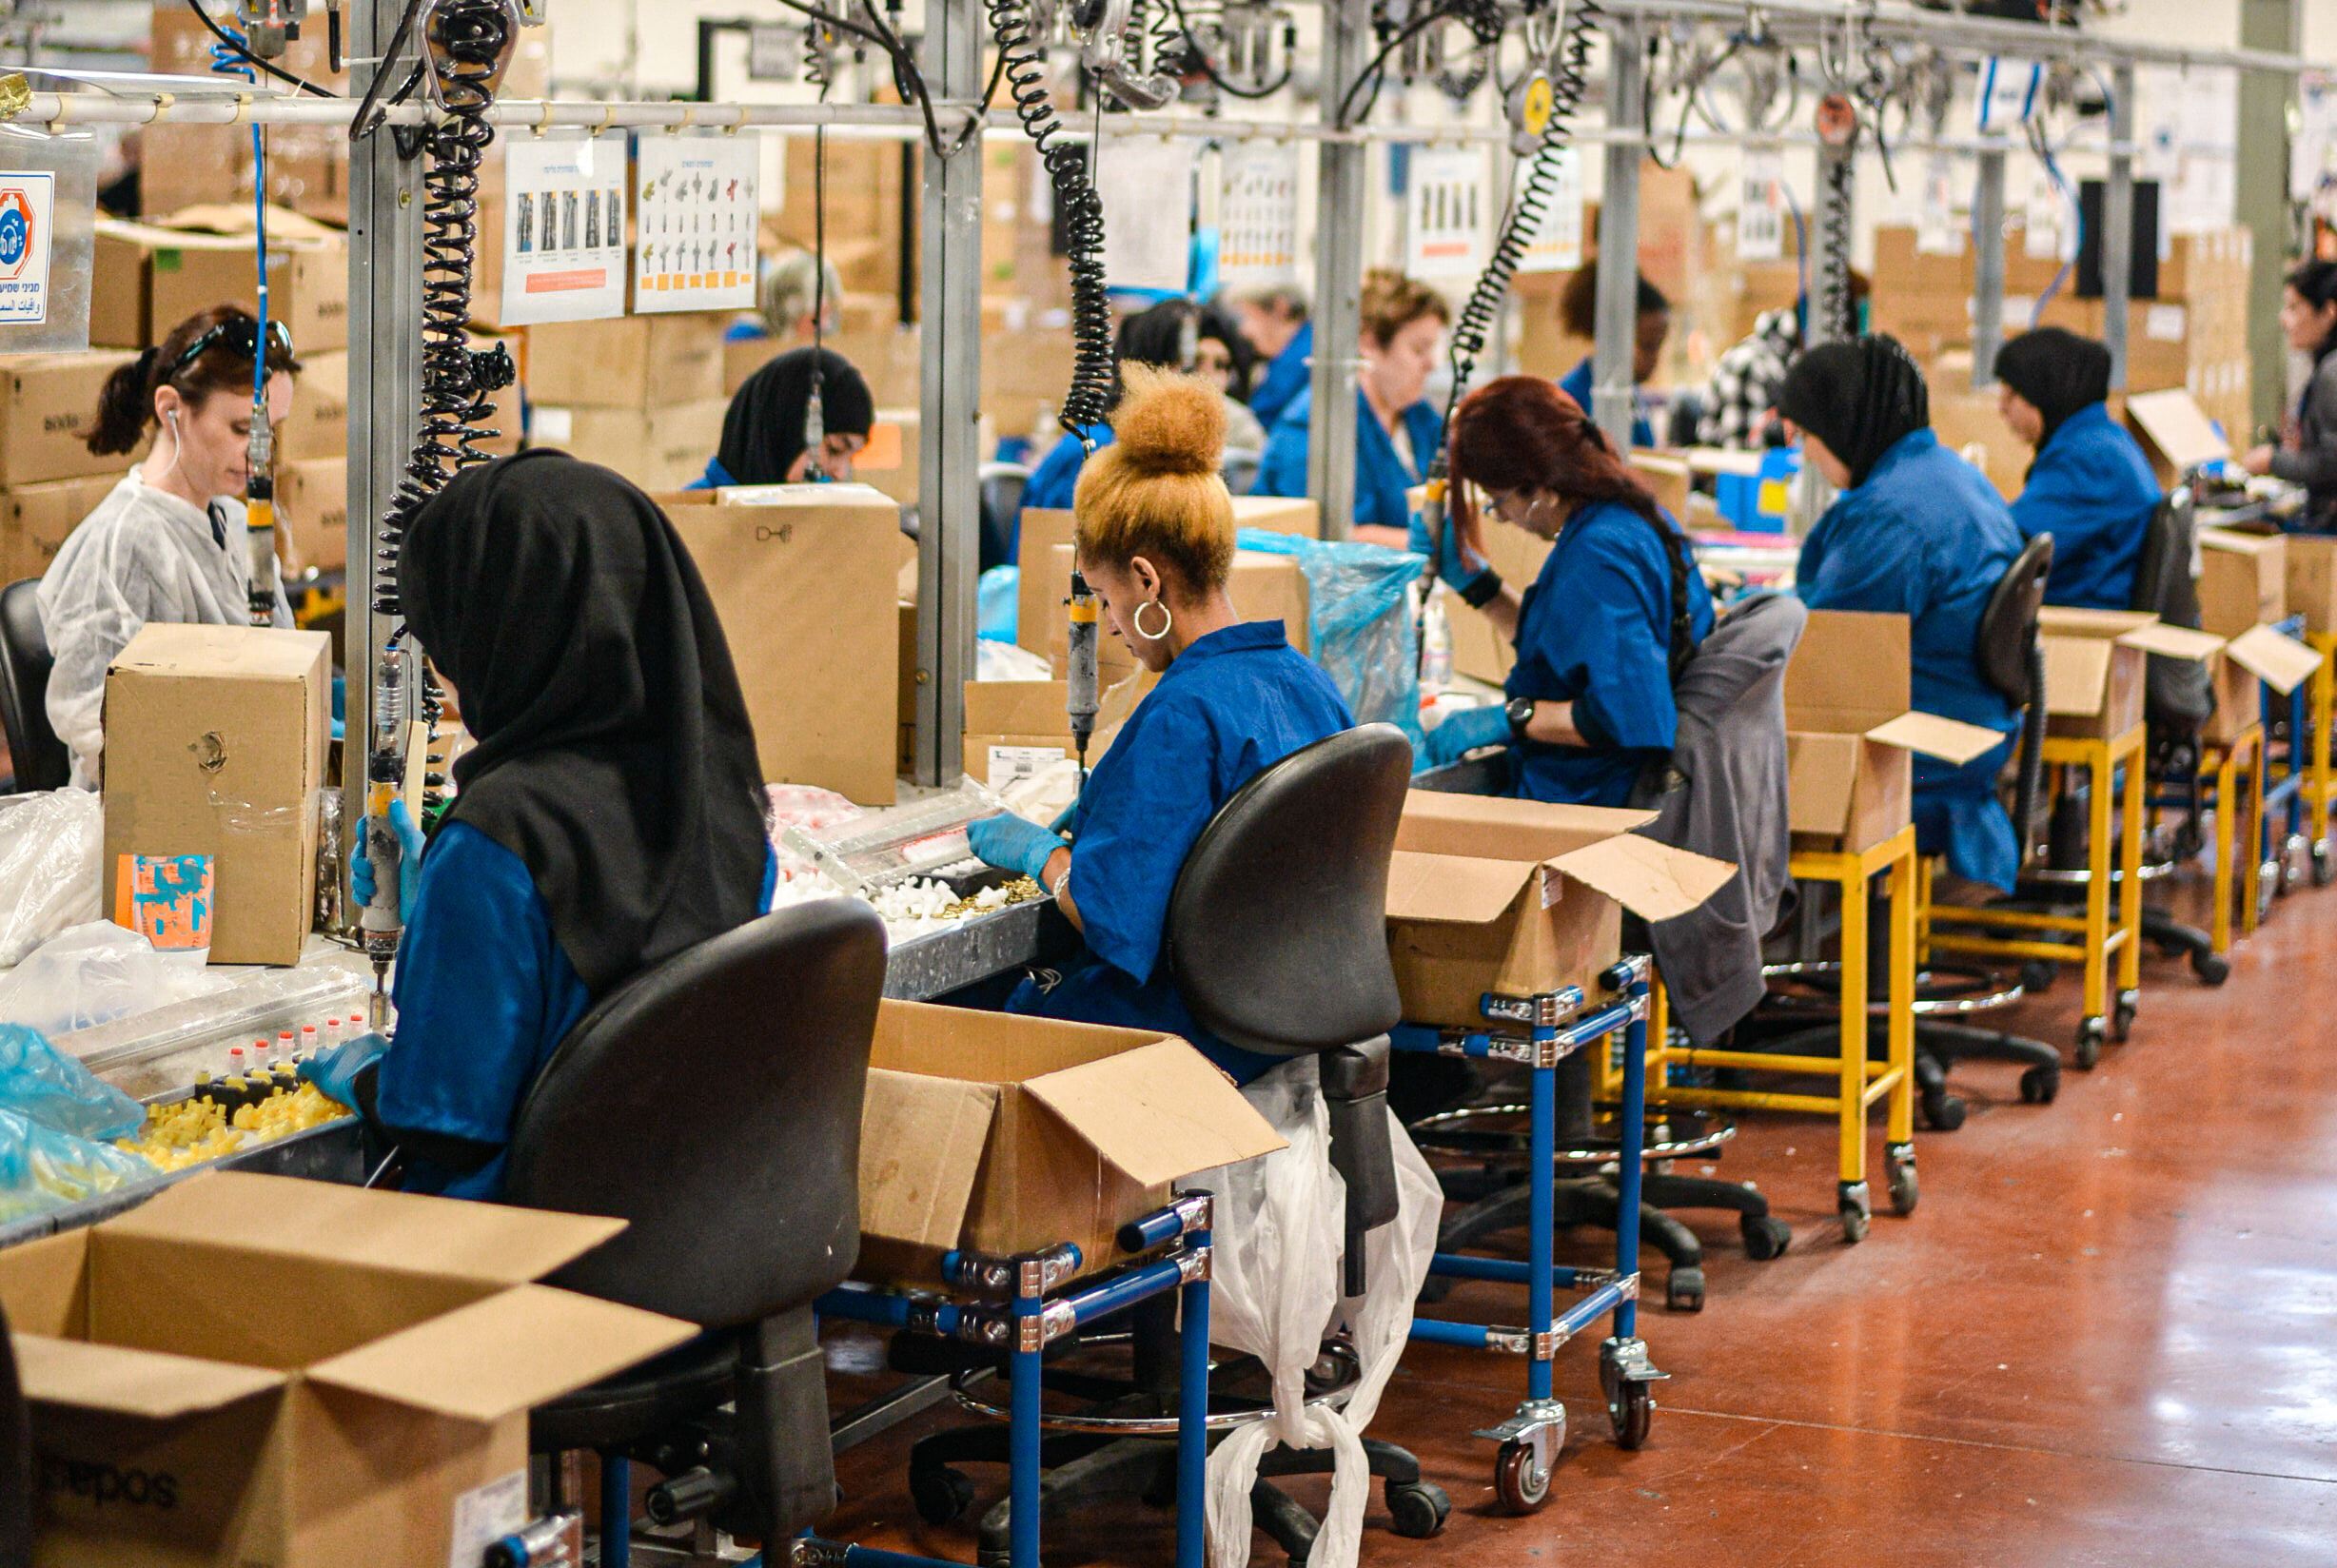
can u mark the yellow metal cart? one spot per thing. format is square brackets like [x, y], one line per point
[2320, 773]
[2233, 770]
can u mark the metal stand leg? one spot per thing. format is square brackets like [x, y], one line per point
[1851, 1191]
[1194, 1415]
[1024, 1470]
[1899, 1114]
[616, 1512]
[2254, 869]
[2100, 783]
[2227, 805]
[1627, 1170]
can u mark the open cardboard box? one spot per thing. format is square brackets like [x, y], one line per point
[259, 1370]
[1494, 897]
[2097, 666]
[2175, 433]
[2243, 581]
[999, 1133]
[1850, 731]
[1014, 728]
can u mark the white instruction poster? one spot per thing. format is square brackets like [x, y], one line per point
[1760, 206]
[1257, 216]
[1147, 188]
[694, 217]
[1557, 243]
[28, 210]
[1445, 213]
[1938, 232]
[563, 228]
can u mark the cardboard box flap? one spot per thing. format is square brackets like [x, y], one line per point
[2277, 659]
[2172, 641]
[1654, 881]
[132, 1382]
[2174, 425]
[1501, 828]
[2077, 674]
[1928, 734]
[1453, 889]
[1157, 1112]
[822, 497]
[1821, 777]
[2239, 543]
[2067, 620]
[508, 1353]
[399, 1231]
[234, 652]
[921, 1144]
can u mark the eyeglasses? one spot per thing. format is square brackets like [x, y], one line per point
[239, 336]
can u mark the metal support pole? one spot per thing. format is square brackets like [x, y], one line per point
[949, 538]
[2266, 99]
[1193, 1416]
[1614, 396]
[2119, 223]
[385, 401]
[1988, 268]
[1541, 1211]
[1339, 279]
[1829, 242]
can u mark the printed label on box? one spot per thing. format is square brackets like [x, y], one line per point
[1009, 764]
[485, 1516]
[167, 900]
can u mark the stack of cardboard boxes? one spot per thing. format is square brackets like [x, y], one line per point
[640, 394]
[49, 479]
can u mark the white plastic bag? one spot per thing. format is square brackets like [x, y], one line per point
[51, 860]
[1279, 1237]
[94, 973]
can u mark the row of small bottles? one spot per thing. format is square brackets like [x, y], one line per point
[269, 1067]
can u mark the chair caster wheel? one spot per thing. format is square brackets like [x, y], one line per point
[1684, 1291]
[2122, 1016]
[941, 1495]
[2212, 967]
[1631, 1409]
[1905, 1193]
[1765, 1237]
[1521, 1480]
[2039, 1085]
[2037, 976]
[1420, 1511]
[1943, 1112]
[2091, 1033]
[1857, 1209]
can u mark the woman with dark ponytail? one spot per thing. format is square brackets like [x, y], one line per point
[2308, 451]
[167, 543]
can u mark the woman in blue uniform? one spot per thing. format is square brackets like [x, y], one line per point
[1154, 534]
[2090, 487]
[1618, 598]
[1396, 430]
[1918, 532]
[762, 434]
[1274, 320]
[1577, 310]
[610, 816]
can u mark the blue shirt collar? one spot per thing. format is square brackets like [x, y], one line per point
[1912, 444]
[2090, 417]
[1248, 637]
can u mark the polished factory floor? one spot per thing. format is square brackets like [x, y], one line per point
[2109, 1335]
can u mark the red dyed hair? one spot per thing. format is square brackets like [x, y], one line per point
[1523, 432]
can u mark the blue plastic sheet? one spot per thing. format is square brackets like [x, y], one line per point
[47, 1087]
[1359, 620]
[997, 605]
[43, 1169]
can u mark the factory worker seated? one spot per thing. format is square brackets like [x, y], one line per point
[609, 816]
[1590, 697]
[1918, 532]
[1396, 429]
[168, 543]
[1578, 311]
[2307, 453]
[2090, 487]
[763, 433]
[1154, 538]
[1274, 320]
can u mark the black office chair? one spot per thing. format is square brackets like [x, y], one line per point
[728, 1134]
[1277, 938]
[40, 759]
[1000, 493]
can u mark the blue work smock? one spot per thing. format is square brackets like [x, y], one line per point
[1284, 378]
[2093, 490]
[484, 995]
[1596, 630]
[1382, 478]
[1927, 536]
[1231, 706]
[1577, 386]
[714, 477]
[1055, 481]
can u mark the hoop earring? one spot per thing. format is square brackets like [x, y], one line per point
[1168, 620]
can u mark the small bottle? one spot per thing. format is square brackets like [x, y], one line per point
[311, 1039]
[332, 1033]
[287, 1044]
[233, 1094]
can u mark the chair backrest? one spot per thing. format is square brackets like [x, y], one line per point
[2012, 657]
[2166, 582]
[715, 1104]
[39, 758]
[1000, 493]
[1278, 926]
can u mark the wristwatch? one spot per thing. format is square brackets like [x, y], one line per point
[1521, 711]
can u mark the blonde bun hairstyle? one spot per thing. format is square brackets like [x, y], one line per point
[1157, 491]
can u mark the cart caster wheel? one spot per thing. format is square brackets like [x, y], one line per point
[2037, 976]
[1684, 1291]
[2091, 1033]
[2039, 1085]
[1905, 1193]
[1632, 1409]
[1521, 1480]
[1420, 1511]
[1942, 1112]
[1765, 1237]
[985, 1557]
[2323, 866]
[2122, 1018]
[1857, 1209]
[2268, 884]
[2211, 968]
[941, 1495]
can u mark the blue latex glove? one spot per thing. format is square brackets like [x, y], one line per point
[1013, 844]
[1466, 730]
[1456, 565]
[335, 1071]
[340, 731]
[409, 880]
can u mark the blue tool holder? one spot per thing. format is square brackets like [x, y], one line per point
[1540, 1032]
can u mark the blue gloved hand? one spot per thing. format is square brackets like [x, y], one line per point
[1456, 565]
[1466, 730]
[409, 876]
[1013, 844]
[335, 1071]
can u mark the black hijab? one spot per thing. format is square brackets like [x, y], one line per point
[1860, 398]
[615, 756]
[762, 434]
[2060, 373]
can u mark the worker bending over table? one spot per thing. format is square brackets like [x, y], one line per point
[763, 434]
[1600, 632]
[610, 816]
[1153, 530]
[2090, 487]
[1578, 311]
[1918, 532]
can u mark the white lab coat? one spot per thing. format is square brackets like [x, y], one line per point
[144, 555]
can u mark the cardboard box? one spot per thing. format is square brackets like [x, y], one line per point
[1850, 731]
[145, 278]
[319, 424]
[1002, 1134]
[660, 450]
[803, 577]
[1667, 477]
[312, 507]
[2243, 581]
[639, 362]
[346, 1382]
[1478, 648]
[35, 521]
[2097, 665]
[1520, 898]
[890, 459]
[2274, 658]
[2239, 701]
[215, 742]
[1015, 728]
[2311, 586]
[2176, 434]
[48, 407]
[1279, 515]
[1039, 618]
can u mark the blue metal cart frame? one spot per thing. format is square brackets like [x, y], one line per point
[2283, 831]
[1553, 1028]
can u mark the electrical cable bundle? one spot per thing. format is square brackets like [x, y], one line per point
[1832, 303]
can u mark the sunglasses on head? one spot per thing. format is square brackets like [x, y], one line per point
[239, 336]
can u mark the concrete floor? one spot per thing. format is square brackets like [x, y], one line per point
[2107, 1336]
